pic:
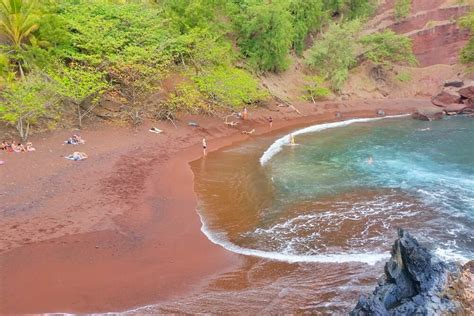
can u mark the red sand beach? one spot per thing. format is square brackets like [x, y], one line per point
[119, 230]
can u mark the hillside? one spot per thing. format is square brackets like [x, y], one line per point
[62, 63]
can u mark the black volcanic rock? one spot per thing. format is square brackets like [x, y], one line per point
[414, 283]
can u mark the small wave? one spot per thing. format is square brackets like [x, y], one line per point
[451, 255]
[369, 258]
[277, 146]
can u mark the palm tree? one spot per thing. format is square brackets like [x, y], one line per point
[18, 20]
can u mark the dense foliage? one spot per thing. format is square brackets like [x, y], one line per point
[76, 51]
[336, 52]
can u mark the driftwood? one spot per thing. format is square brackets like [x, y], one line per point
[233, 123]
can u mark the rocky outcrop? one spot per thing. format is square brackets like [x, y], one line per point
[456, 97]
[416, 282]
[446, 97]
[426, 115]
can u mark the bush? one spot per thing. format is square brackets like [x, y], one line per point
[315, 89]
[404, 77]
[230, 86]
[402, 9]
[334, 54]
[387, 47]
[467, 54]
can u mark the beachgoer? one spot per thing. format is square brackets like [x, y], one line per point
[370, 161]
[4, 145]
[77, 156]
[245, 114]
[78, 139]
[204, 147]
[292, 139]
[29, 147]
[270, 121]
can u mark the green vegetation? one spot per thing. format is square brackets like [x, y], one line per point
[402, 9]
[315, 89]
[335, 53]
[467, 54]
[404, 77]
[387, 47]
[61, 57]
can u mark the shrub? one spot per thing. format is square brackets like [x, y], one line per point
[230, 86]
[387, 47]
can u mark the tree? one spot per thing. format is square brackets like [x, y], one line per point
[334, 54]
[387, 47]
[77, 84]
[314, 89]
[307, 15]
[18, 21]
[27, 100]
[265, 34]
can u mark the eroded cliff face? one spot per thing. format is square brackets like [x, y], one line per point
[432, 25]
[437, 41]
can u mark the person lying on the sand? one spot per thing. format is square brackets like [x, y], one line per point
[249, 132]
[77, 156]
[4, 145]
[75, 140]
[29, 147]
[18, 148]
[155, 130]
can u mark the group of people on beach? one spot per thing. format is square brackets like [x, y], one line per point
[16, 147]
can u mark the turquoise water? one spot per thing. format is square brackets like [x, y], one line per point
[322, 200]
[421, 177]
[309, 218]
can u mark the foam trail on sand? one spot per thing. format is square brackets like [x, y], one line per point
[219, 239]
[277, 146]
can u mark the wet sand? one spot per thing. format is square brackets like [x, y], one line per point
[120, 230]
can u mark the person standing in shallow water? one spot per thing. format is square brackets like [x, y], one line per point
[204, 147]
[370, 161]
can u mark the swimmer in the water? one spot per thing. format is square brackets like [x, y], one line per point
[370, 160]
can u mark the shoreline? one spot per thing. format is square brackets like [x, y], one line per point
[145, 243]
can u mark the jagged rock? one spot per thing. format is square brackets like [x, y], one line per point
[414, 283]
[446, 97]
[457, 83]
[428, 115]
[467, 91]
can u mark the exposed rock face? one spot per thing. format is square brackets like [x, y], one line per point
[415, 283]
[467, 91]
[446, 97]
[457, 97]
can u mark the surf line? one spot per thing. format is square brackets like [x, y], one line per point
[219, 239]
[278, 145]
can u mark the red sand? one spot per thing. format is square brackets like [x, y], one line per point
[120, 230]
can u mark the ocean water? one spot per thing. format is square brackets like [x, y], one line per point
[315, 221]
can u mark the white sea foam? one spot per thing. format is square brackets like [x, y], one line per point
[220, 239]
[451, 255]
[277, 146]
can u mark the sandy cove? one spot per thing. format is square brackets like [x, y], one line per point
[120, 230]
